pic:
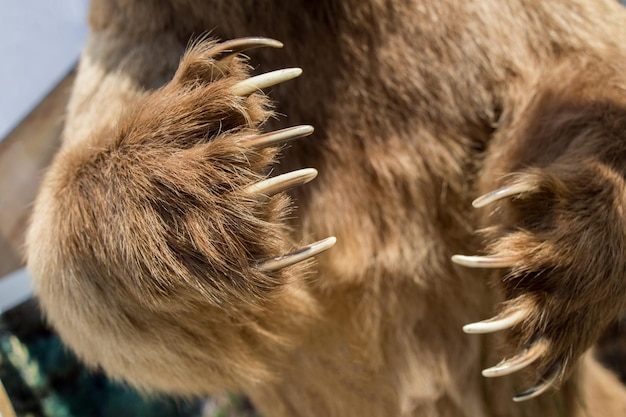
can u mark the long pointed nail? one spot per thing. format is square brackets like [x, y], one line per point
[497, 323]
[517, 362]
[282, 182]
[501, 193]
[297, 256]
[236, 46]
[251, 85]
[279, 136]
[483, 261]
[540, 388]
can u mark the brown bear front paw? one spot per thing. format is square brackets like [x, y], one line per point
[212, 91]
[561, 238]
[184, 176]
[160, 248]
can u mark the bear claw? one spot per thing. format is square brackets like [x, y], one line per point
[279, 136]
[482, 261]
[519, 361]
[237, 46]
[282, 182]
[252, 85]
[497, 323]
[300, 255]
[509, 191]
[540, 388]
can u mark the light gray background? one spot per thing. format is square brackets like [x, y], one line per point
[40, 41]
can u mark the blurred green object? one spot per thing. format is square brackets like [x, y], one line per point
[43, 379]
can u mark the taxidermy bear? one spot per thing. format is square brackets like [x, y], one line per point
[174, 245]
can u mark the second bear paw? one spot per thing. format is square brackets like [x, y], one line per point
[559, 243]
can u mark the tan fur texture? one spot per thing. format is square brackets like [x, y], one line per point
[144, 245]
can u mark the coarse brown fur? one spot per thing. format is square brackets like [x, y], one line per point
[144, 242]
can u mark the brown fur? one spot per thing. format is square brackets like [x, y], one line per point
[143, 243]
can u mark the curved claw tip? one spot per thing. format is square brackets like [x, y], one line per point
[235, 46]
[501, 193]
[282, 182]
[279, 136]
[517, 362]
[253, 41]
[540, 388]
[251, 85]
[497, 323]
[482, 261]
[300, 255]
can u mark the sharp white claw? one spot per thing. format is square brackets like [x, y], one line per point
[501, 193]
[517, 362]
[251, 85]
[297, 256]
[236, 46]
[540, 388]
[279, 136]
[282, 182]
[495, 324]
[483, 261]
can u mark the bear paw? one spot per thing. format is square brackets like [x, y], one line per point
[559, 247]
[187, 169]
[197, 84]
